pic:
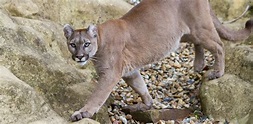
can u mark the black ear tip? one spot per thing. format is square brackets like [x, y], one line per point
[68, 30]
[92, 30]
[249, 24]
[92, 26]
[67, 26]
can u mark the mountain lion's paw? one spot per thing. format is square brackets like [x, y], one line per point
[199, 66]
[212, 74]
[78, 115]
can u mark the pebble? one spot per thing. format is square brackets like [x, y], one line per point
[180, 89]
[167, 99]
[129, 100]
[191, 81]
[153, 78]
[116, 122]
[186, 105]
[129, 117]
[173, 54]
[123, 119]
[170, 122]
[112, 118]
[146, 77]
[161, 122]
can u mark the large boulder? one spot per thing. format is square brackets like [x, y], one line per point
[33, 48]
[229, 9]
[19, 102]
[80, 13]
[239, 61]
[228, 98]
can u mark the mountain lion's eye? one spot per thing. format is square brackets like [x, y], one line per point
[72, 45]
[86, 44]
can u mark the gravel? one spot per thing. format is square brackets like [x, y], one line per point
[171, 82]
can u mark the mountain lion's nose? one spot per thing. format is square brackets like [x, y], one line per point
[79, 57]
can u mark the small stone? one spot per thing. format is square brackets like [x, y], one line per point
[177, 85]
[156, 106]
[173, 90]
[112, 118]
[123, 119]
[186, 52]
[139, 100]
[170, 122]
[129, 100]
[191, 81]
[180, 89]
[153, 78]
[128, 94]
[116, 122]
[117, 97]
[173, 54]
[164, 106]
[186, 120]
[186, 105]
[168, 66]
[167, 99]
[164, 68]
[192, 87]
[146, 77]
[129, 117]
[177, 65]
[161, 122]
[181, 102]
[186, 78]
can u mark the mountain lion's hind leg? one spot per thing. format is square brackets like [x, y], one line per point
[199, 61]
[210, 40]
[136, 82]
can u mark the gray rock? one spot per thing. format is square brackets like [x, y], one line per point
[228, 97]
[20, 103]
[229, 9]
[239, 61]
[79, 13]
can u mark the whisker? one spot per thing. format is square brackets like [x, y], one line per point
[93, 59]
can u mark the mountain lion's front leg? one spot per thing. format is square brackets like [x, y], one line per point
[107, 80]
[136, 81]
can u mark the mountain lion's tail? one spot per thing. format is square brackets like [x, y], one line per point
[229, 34]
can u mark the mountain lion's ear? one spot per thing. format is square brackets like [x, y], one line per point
[68, 31]
[92, 31]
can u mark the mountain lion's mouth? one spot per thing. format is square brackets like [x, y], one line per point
[82, 62]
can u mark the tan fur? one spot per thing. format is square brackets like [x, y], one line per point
[148, 33]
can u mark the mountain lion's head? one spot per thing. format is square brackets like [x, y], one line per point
[82, 43]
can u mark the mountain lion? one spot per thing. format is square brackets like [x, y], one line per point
[148, 33]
